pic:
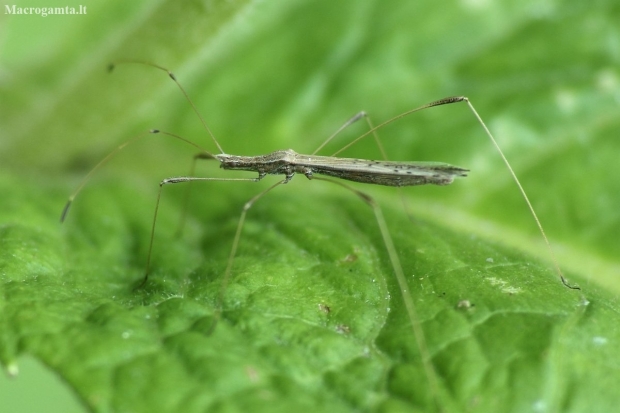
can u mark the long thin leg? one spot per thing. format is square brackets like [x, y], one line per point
[375, 134]
[457, 99]
[233, 253]
[188, 192]
[391, 249]
[403, 285]
[233, 250]
[176, 180]
[525, 197]
[374, 131]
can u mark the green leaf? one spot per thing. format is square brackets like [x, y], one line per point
[313, 318]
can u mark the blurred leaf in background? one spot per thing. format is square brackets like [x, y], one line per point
[313, 319]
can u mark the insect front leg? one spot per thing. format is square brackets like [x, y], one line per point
[176, 180]
[188, 192]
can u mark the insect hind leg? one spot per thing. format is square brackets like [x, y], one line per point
[412, 315]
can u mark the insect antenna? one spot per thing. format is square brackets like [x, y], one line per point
[108, 157]
[112, 65]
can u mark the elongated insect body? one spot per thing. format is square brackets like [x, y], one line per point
[288, 162]
[377, 172]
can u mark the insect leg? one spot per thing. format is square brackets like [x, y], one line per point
[175, 180]
[403, 286]
[188, 192]
[233, 252]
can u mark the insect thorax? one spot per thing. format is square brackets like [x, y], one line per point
[275, 163]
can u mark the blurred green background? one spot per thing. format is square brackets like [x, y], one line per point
[268, 76]
[271, 75]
